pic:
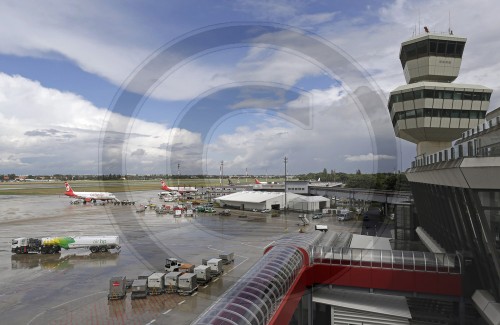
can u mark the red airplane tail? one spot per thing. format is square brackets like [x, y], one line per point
[69, 190]
[257, 181]
[164, 186]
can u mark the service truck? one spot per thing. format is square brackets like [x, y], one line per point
[172, 264]
[52, 245]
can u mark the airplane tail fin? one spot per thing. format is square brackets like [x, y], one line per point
[257, 181]
[164, 186]
[69, 190]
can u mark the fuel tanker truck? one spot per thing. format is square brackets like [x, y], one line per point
[52, 245]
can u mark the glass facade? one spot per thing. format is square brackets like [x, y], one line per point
[431, 47]
[465, 221]
[439, 94]
[437, 112]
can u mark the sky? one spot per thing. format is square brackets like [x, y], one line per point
[184, 87]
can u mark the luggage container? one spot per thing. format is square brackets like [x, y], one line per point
[203, 274]
[145, 275]
[156, 283]
[215, 266]
[117, 287]
[139, 289]
[187, 284]
[172, 282]
[186, 268]
[227, 258]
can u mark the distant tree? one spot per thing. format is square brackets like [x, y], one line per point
[358, 172]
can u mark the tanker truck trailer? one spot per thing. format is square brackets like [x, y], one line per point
[52, 245]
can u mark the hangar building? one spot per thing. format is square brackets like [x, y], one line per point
[249, 200]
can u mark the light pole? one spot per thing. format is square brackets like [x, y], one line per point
[221, 171]
[178, 174]
[285, 160]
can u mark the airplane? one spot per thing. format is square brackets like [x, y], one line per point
[259, 182]
[177, 189]
[89, 196]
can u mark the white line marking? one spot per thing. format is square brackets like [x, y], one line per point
[67, 302]
[219, 250]
[216, 280]
[205, 287]
[151, 322]
[246, 259]
[168, 311]
[254, 246]
[194, 294]
[180, 303]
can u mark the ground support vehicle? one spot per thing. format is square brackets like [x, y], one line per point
[117, 288]
[139, 289]
[226, 212]
[172, 265]
[156, 283]
[52, 245]
[187, 284]
[203, 274]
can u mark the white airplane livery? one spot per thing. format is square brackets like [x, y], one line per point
[177, 189]
[89, 196]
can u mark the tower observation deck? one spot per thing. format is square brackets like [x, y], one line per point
[430, 110]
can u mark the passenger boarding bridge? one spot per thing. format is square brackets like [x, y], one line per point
[389, 197]
[276, 287]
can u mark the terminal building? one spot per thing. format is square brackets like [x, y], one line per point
[321, 278]
[455, 186]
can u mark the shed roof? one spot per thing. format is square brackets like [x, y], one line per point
[369, 302]
[250, 196]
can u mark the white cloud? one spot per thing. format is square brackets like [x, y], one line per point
[48, 131]
[88, 36]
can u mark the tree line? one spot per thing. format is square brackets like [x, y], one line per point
[379, 181]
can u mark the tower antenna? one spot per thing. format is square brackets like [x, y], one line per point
[449, 23]
[419, 21]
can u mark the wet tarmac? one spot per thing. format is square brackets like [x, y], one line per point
[72, 287]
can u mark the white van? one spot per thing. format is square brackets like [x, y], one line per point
[344, 215]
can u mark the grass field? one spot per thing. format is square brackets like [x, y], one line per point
[57, 188]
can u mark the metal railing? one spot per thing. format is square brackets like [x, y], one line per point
[387, 259]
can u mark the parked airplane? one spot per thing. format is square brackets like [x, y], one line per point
[177, 189]
[259, 182]
[89, 196]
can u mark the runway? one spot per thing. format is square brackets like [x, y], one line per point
[72, 287]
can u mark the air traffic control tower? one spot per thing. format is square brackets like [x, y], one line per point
[430, 110]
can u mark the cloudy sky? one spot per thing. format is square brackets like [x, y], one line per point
[138, 88]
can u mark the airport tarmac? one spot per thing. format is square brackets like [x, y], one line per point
[72, 287]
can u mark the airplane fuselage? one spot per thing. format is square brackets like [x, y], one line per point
[92, 195]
